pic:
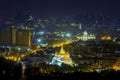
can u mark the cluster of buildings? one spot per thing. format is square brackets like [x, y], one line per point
[39, 35]
[85, 36]
[15, 37]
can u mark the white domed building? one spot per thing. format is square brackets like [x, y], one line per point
[86, 36]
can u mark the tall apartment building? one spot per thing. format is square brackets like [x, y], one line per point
[5, 37]
[15, 37]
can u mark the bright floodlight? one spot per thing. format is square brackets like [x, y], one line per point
[41, 32]
[68, 35]
[62, 35]
[39, 40]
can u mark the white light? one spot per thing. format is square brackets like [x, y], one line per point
[43, 45]
[85, 33]
[41, 32]
[76, 64]
[80, 26]
[28, 49]
[68, 35]
[19, 49]
[39, 40]
[62, 35]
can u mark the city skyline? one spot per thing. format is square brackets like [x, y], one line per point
[57, 38]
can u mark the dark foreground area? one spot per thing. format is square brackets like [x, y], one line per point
[74, 76]
[10, 70]
[78, 76]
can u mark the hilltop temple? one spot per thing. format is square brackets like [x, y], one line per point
[62, 57]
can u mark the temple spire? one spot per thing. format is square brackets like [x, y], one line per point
[62, 57]
[62, 51]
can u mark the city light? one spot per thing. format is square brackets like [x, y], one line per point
[68, 35]
[39, 40]
[62, 57]
[106, 38]
[41, 32]
[43, 44]
[86, 36]
[62, 35]
[59, 38]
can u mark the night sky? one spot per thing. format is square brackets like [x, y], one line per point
[59, 7]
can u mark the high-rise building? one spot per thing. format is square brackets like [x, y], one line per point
[15, 37]
[5, 37]
[23, 38]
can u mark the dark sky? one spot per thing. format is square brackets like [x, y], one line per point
[59, 7]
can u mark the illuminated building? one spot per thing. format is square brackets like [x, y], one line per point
[106, 38]
[86, 36]
[15, 38]
[23, 38]
[116, 66]
[62, 57]
[5, 37]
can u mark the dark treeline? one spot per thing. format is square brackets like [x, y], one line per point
[33, 73]
[10, 70]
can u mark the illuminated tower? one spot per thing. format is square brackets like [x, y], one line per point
[62, 57]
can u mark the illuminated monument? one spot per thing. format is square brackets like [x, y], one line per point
[62, 57]
[86, 36]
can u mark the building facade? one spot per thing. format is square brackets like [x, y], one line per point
[15, 37]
